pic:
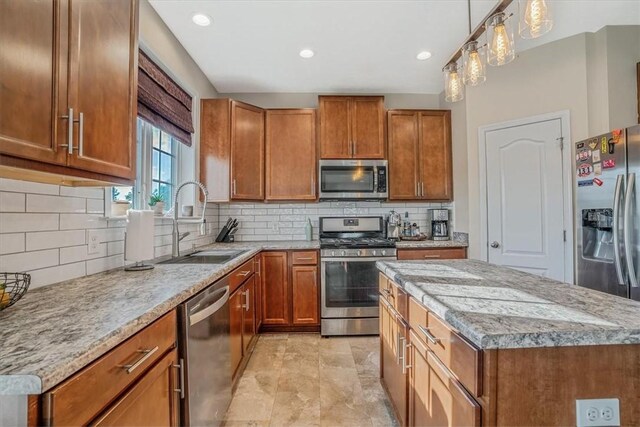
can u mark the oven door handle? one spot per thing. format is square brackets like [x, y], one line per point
[359, 259]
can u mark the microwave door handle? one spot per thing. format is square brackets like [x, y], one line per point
[628, 226]
[616, 230]
[375, 179]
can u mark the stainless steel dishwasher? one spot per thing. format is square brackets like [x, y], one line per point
[204, 338]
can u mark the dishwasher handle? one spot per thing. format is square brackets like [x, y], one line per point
[217, 301]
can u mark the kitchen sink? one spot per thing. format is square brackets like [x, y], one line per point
[212, 256]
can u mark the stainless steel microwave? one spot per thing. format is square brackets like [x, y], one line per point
[353, 180]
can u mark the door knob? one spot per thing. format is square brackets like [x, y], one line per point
[495, 244]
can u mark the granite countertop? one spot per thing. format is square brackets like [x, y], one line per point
[419, 244]
[497, 308]
[56, 330]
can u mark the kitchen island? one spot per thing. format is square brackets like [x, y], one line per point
[479, 344]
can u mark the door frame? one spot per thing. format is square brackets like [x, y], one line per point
[567, 185]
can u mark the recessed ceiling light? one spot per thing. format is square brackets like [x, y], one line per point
[306, 53]
[423, 55]
[201, 19]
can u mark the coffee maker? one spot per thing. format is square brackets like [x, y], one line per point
[394, 224]
[439, 219]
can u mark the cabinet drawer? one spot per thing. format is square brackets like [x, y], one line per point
[77, 400]
[449, 404]
[399, 299]
[449, 253]
[462, 359]
[304, 258]
[240, 274]
[417, 318]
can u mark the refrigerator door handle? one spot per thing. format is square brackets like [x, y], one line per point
[628, 228]
[616, 228]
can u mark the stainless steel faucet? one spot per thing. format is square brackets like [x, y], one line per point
[176, 236]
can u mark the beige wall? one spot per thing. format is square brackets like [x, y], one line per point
[310, 100]
[591, 75]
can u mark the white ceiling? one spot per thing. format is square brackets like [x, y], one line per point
[360, 46]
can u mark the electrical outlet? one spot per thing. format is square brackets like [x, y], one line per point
[597, 412]
[93, 240]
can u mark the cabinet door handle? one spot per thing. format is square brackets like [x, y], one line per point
[313, 189]
[69, 144]
[180, 368]
[429, 335]
[146, 354]
[405, 365]
[432, 256]
[246, 300]
[422, 189]
[305, 259]
[244, 273]
[417, 189]
[233, 187]
[80, 134]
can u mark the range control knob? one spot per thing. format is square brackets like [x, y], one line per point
[373, 252]
[343, 253]
[333, 253]
[384, 252]
[359, 252]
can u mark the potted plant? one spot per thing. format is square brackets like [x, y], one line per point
[156, 201]
[120, 207]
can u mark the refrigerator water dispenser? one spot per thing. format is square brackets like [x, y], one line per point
[597, 234]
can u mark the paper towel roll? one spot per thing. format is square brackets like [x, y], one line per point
[138, 243]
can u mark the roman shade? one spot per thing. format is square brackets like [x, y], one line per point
[162, 102]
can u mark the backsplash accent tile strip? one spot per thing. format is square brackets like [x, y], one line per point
[43, 231]
[261, 221]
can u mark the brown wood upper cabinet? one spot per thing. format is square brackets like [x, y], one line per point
[74, 108]
[291, 154]
[232, 150]
[352, 127]
[420, 155]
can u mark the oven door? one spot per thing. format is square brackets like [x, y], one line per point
[349, 287]
[348, 181]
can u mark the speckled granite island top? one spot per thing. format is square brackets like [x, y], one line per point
[56, 330]
[497, 307]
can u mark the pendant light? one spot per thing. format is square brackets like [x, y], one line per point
[453, 87]
[500, 44]
[473, 70]
[535, 18]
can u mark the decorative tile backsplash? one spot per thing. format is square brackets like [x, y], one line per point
[263, 221]
[43, 231]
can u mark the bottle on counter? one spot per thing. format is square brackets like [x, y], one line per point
[406, 225]
[308, 230]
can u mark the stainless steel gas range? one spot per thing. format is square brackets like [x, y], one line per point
[349, 249]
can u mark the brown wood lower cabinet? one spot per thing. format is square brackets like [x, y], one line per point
[432, 253]
[152, 402]
[242, 318]
[393, 372]
[133, 384]
[290, 291]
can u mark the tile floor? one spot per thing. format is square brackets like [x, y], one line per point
[305, 380]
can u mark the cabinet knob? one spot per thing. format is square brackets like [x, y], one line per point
[495, 244]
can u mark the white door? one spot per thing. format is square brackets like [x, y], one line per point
[525, 201]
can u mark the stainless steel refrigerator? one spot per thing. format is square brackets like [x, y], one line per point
[607, 217]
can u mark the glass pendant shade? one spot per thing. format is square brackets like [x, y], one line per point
[500, 44]
[473, 69]
[535, 18]
[453, 87]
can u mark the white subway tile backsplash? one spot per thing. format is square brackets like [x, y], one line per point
[27, 187]
[81, 221]
[11, 243]
[95, 206]
[12, 202]
[42, 203]
[43, 231]
[25, 261]
[46, 276]
[79, 253]
[16, 222]
[103, 264]
[85, 192]
[54, 239]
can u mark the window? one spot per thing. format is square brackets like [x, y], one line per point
[158, 159]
